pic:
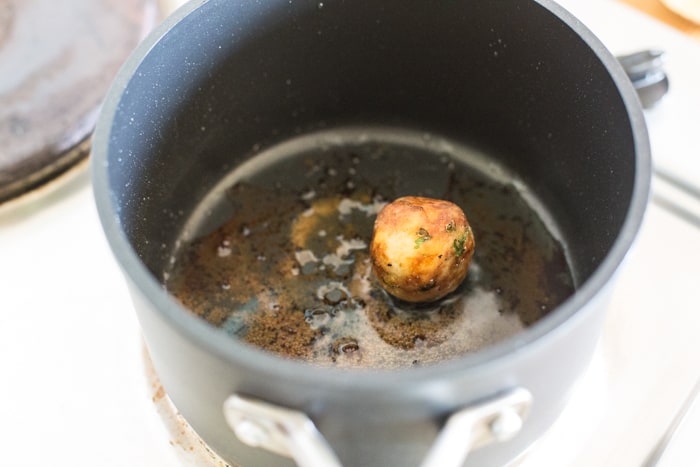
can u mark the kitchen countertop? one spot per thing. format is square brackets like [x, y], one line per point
[75, 386]
[671, 12]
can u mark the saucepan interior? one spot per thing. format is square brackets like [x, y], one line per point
[512, 81]
[537, 99]
[211, 94]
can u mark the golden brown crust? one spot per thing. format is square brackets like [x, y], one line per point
[421, 248]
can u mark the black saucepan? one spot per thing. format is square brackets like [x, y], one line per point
[223, 81]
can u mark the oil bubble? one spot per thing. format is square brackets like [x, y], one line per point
[345, 345]
[317, 317]
[334, 296]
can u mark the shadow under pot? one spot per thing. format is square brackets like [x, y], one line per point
[239, 163]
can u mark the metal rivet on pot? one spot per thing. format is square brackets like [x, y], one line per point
[506, 424]
[250, 432]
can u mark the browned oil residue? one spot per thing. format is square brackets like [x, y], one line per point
[289, 270]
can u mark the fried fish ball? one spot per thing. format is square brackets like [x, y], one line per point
[421, 248]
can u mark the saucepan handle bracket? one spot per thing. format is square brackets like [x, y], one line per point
[291, 433]
[496, 419]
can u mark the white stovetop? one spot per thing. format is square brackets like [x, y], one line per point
[75, 388]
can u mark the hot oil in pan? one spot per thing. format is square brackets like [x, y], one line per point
[280, 259]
